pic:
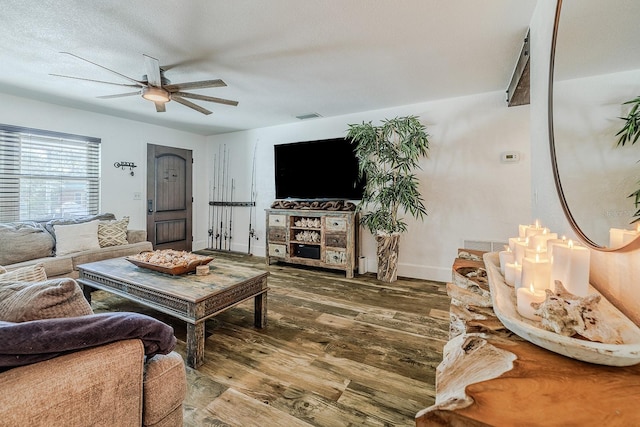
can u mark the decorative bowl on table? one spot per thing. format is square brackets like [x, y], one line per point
[505, 306]
[169, 261]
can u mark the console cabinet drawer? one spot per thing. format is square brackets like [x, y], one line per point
[279, 251]
[337, 240]
[335, 257]
[278, 234]
[277, 220]
[336, 224]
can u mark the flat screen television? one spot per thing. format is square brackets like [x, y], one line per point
[317, 170]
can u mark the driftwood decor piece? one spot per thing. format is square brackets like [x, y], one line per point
[319, 205]
[567, 314]
[387, 251]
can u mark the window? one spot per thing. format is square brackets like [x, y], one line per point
[47, 174]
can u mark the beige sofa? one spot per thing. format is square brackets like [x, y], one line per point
[110, 385]
[63, 365]
[29, 243]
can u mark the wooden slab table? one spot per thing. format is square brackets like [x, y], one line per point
[491, 377]
[190, 298]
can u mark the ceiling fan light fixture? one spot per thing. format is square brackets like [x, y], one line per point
[155, 94]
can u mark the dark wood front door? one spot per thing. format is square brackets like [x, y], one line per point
[169, 197]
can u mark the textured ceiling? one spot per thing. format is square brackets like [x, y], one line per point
[279, 58]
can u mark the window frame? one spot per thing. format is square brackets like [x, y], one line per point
[12, 198]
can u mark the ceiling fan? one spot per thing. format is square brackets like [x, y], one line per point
[155, 87]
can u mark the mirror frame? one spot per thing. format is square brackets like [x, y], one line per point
[552, 147]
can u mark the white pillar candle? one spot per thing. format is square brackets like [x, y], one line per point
[571, 267]
[615, 237]
[542, 238]
[551, 243]
[505, 257]
[537, 272]
[513, 273]
[534, 230]
[513, 241]
[524, 297]
[531, 253]
[619, 237]
[629, 236]
[522, 230]
[520, 249]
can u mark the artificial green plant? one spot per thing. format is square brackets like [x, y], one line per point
[388, 154]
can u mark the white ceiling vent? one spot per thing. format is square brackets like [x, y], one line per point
[308, 116]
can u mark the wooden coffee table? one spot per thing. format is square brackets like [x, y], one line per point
[188, 297]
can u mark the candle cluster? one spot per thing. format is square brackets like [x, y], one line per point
[535, 259]
[620, 237]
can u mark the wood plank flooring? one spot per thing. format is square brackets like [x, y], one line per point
[336, 351]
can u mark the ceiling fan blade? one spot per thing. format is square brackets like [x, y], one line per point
[206, 98]
[138, 83]
[95, 81]
[160, 108]
[195, 85]
[153, 71]
[190, 105]
[119, 95]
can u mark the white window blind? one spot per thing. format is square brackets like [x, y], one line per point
[47, 174]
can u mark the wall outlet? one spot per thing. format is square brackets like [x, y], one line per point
[137, 195]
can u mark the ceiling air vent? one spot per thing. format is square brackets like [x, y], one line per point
[308, 116]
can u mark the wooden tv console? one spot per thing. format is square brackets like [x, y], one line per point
[319, 238]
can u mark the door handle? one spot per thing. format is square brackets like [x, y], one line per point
[150, 206]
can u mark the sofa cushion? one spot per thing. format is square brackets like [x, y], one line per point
[32, 273]
[25, 301]
[54, 266]
[26, 240]
[73, 238]
[164, 389]
[113, 233]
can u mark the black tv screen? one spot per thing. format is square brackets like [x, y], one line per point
[323, 169]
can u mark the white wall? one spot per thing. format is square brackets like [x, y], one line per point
[468, 192]
[122, 140]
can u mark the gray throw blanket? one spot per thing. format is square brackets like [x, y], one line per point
[37, 340]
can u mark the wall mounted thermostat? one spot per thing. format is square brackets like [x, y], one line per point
[509, 157]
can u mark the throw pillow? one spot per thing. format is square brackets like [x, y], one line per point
[50, 299]
[49, 225]
[27, 240]
[113, 233]
[32, 273]
[76, 237]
